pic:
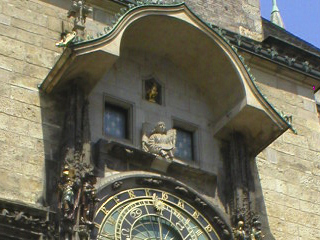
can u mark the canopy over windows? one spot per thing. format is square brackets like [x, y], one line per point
[210, 62]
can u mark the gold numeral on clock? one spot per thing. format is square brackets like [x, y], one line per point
[116, 199]
[208, 228]
[195, 214]
[125, 232]
[147, 192]
[104, 210]
[181, 204]
[180, 226]
[97, 225]
[131, 194]
[164, 196]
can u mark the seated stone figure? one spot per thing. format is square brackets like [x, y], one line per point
[160, 142]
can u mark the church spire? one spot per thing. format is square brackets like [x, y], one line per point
[275, 15]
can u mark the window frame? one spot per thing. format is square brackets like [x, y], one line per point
[194, 129]
[128, 108]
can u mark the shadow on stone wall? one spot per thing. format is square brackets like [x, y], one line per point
[260, 204]
[239, 188]
[52, 114]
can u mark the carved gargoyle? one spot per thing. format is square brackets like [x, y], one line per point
[160, 142]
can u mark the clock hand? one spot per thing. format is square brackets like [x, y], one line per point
[160, 228]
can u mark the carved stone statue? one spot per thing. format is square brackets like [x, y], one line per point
[160, 142]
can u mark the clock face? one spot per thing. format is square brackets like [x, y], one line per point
[130, 211]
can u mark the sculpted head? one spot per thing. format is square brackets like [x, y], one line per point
[160, 128]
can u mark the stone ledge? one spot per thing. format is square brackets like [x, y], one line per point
[121, 157]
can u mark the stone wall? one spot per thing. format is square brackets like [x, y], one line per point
[30, 124]
[28, 32]
[289, 168]
[237, 16]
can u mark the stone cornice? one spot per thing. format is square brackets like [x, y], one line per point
[270, 53]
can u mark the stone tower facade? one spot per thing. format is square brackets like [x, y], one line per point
[242, 88]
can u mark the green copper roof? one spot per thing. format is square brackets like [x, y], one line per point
[275, 15]
[274, 6]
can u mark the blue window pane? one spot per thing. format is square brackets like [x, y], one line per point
[115, 121]
[184, 144]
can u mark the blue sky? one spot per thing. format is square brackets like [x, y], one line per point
[300, 17]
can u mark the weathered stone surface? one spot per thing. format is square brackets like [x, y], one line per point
[30, 124]
[25, 95]
[24, 81]
[25, 14]
[238, 16]
[41, 57]
[289, 167]
[6, 20]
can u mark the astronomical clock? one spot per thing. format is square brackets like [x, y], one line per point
[153, 207]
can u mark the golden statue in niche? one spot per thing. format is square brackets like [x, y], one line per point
[152, 93]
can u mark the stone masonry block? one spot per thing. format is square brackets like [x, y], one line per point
[300, 193]
[26, 15]
[4, 19]
[21, 35]
[314, 142]
[18, 125]
[5, 77]
[255, 3]
[310, 181]
[310, 105]
[36, 6]
[10, 179]
[311, 116]
[12, 48]
[20, 80]
[297, 140]
[35, 71]
[283, 147]
[294, 162]
[308, 233]
[283, 236]
[310, 207]
[25, 95]
[282, 226]
[282, 199]
[41, 57]
[48, 43]
[55, 24]
[33, 28]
